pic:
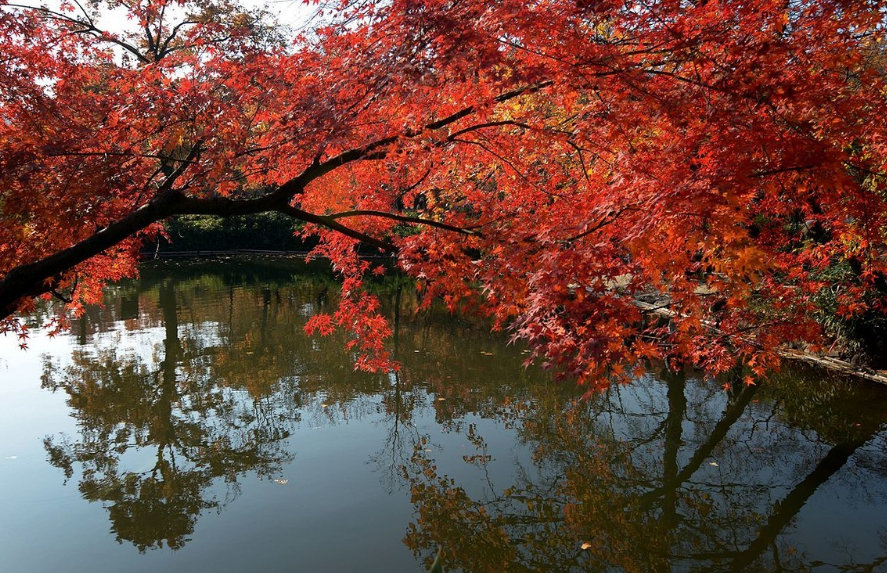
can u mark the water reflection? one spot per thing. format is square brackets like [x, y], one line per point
[506, 470]
[652, 478]
[182, 430]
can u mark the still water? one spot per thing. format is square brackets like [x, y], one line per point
[190, 425]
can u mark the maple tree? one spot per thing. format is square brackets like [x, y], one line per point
[555, 162]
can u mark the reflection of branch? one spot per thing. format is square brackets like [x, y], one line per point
[483, 459]
[733, 413]
[401, 430]
[201, 433]
[871, 567]
[787, 509]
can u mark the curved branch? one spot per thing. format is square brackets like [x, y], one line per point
[403, 219]
[42, 276]
[165, 49]
[606, 220]
[330, 223]
[88, 27]
[470, 128]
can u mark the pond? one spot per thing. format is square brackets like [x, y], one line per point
[190, 425]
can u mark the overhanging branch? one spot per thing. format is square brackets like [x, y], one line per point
[330, 223]
[43, 276]
[403, 219]
[378, 149]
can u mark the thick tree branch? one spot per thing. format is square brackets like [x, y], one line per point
[40, 277]
[44, 275]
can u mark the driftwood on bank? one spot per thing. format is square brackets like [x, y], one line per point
[660, 308]
[835, 365]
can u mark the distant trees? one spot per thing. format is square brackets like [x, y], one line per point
[267, 231]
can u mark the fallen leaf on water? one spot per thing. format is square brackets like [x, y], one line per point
[585, 546]
[437, 566]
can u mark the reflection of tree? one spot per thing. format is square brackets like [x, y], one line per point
[674, 479]
[788, 507]
[198, 433]
[160, 431]
[399, 403]
[658, 476]
[649, 478]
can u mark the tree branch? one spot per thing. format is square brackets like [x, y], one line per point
[376, 149]
[42, 276]
[608, 219]
[479, 126]
[87, 27]
[330, 223]
[403, 219]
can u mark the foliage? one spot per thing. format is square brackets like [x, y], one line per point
[557, 160]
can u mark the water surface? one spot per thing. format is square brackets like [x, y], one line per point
[190, 425]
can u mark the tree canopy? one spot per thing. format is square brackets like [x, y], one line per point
[552, 164]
